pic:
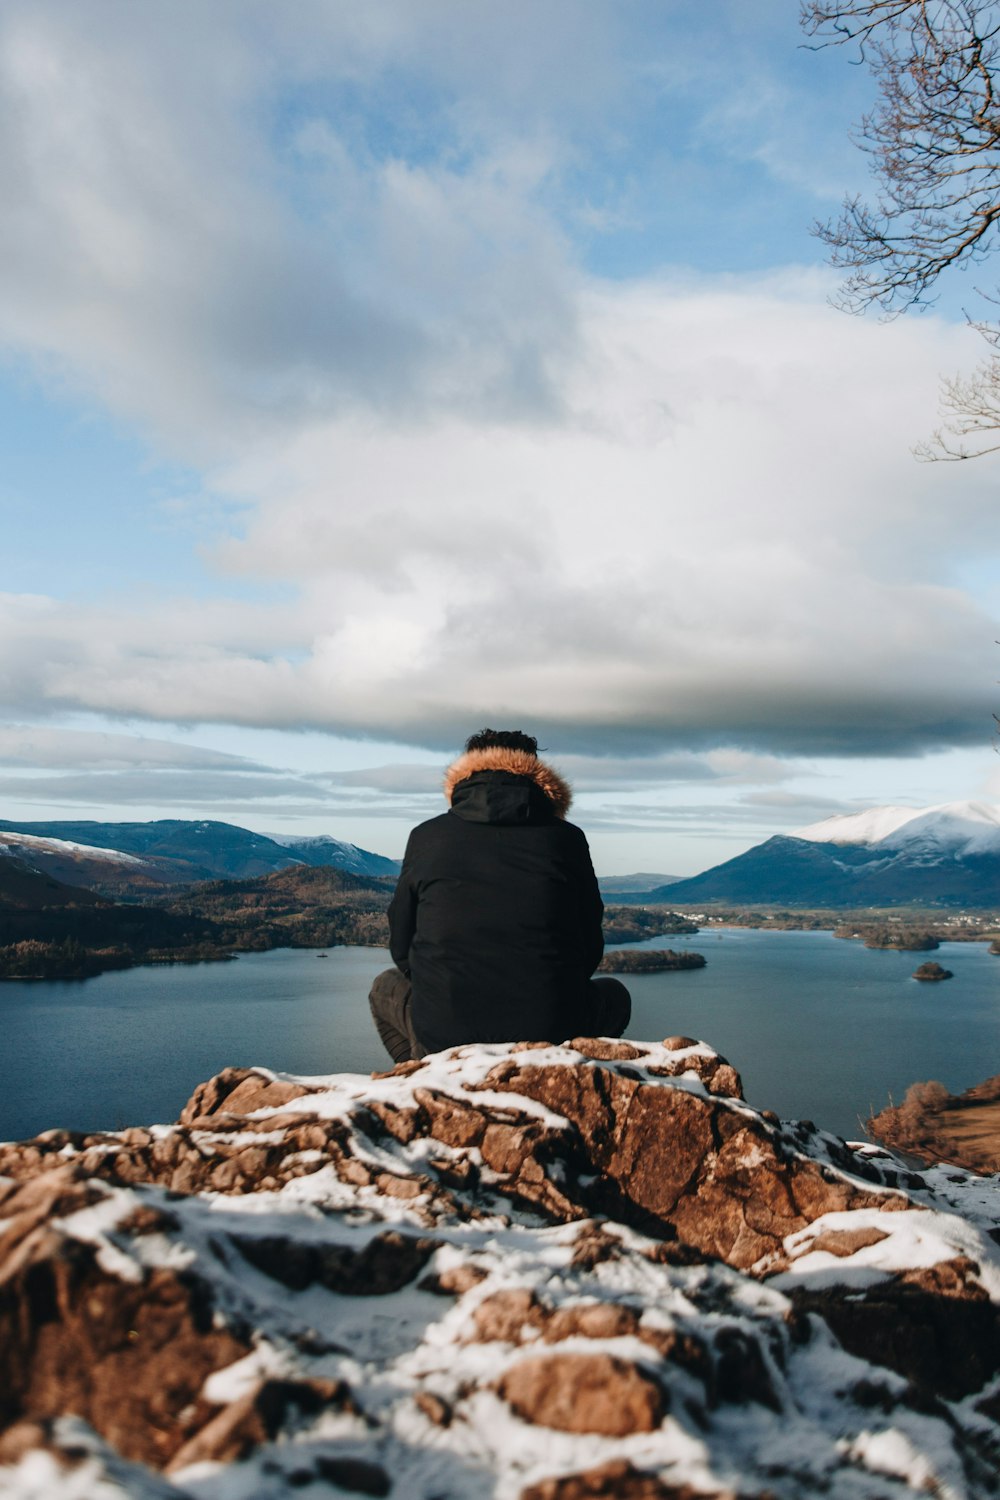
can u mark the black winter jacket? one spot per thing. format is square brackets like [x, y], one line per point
[497, 916]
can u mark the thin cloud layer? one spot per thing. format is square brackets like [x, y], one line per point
[41, 747]
[91, 768]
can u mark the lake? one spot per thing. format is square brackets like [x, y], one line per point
[819, 1027]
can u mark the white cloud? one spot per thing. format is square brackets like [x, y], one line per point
[713, 543]
[674, 514]
[196, 233]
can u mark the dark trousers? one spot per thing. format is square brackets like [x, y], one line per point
[605, 1010]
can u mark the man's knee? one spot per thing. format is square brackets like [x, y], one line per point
[390, 982]
[390, 1000]
[388, 992]
[612, 1006]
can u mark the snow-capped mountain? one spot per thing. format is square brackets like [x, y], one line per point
[134, 858]
[86, 866]
[28, 844]
[947, 855]
[324, 849]
[952, 828]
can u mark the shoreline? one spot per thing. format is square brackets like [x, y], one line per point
[933, 1126]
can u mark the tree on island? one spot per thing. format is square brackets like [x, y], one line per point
[932, 972]
[933, 137]
[648, 961]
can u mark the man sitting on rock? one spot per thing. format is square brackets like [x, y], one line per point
[495, 925]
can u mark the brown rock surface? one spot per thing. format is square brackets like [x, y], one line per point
[238, 1091]
[584, 1393]
[676, 1164]
[936, 1326]
[617, 1480]
[605, 1049]
[506, 1315]
[385, 1264]
[718, 1075]
[128, 1356]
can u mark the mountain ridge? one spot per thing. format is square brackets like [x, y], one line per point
[967, 827]
[943, 856]
[140, 857]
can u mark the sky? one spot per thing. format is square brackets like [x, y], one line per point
[370, 374]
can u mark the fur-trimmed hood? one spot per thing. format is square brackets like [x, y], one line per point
[514, 763]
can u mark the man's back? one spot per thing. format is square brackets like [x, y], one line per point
[497, 914]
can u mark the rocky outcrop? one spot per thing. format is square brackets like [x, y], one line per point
[528, 1271]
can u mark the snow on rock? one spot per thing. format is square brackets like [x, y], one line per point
[957, 828]
[518, 1272]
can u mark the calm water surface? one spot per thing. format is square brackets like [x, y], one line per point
[820, 1028]
[825, 1029]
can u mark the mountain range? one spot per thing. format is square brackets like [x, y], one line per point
[52, 929]
[141, 858]
[946, 856]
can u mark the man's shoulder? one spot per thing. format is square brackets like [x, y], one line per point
[429, 829]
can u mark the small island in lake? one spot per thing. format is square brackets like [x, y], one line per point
[932, 971]
[648, 961]
[898, 939]
[630, 924]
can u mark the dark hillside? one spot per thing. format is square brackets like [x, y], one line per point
[301, 907]
[304, 907]
[301, 885]
[25, 889]
[177, 852]
[131, 934]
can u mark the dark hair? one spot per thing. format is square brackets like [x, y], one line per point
[505, 739]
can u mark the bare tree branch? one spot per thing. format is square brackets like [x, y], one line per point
[933, 139]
